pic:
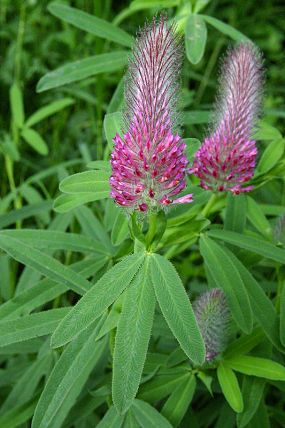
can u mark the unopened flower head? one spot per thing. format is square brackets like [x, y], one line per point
[148, 163]
[226, 159]
[213, 317]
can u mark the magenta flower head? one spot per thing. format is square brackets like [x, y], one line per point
[213, 318]
[148, 163]
[226, 159]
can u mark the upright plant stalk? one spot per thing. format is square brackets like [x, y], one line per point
[149, 170]
[15, 129]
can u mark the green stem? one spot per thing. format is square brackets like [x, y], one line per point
[280, 289]
[19, 41]
[207, 208]
[208, 72]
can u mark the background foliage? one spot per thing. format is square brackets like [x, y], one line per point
[57, 123]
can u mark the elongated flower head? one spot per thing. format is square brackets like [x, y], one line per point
[212, 314]
[226, 159]
[148, 163]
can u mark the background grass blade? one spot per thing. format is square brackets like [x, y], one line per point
[90, 23]
[83, 68]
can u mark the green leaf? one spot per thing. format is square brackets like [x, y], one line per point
[34, 139]
[176, 308]
[67, 378]
[26, 384]
[252, 392]
[227, 277]
[262, 307]
[255, 366]
[93, 228]
[200, 4]
[230, 387]
[48, 110]
[132, 343]
[9, 148]
[112, 126]
[17, 105]
[195, 117]
[193, 145]
[245, 344]
[148, 416]
[44, 264]
[46, 290]
[150, 4]
[111, 419]
[120, 230]
[261, 417]
[207, 380]
[54, 240]
[81, 188]
[65, 203]
[162, 385]
[130, 421]
[177, 404]
[282, 316]
[195, 38]
[85, 406]
[100, 296]
[111, 321]
[100, 165]
[91, 24]
[26, 347]
[271, 156]
[83, 68]
[255, 245]
[257, 218]
[236, 208]
[226, 29]
[22, 213]
[30, 326]
[87, 182]
[19, 414]
[266, 132]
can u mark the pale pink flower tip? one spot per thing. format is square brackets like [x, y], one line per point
[148, 163]
[226, 159]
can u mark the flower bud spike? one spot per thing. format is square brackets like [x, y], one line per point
[213, 317]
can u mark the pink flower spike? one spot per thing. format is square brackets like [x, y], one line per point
[148, 164]
[226, 159]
